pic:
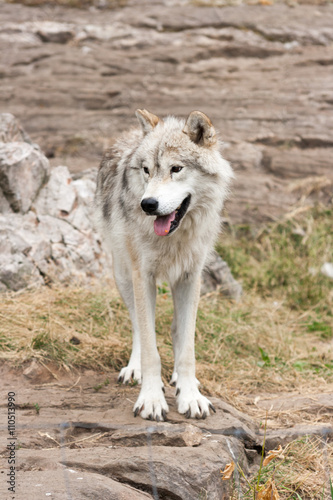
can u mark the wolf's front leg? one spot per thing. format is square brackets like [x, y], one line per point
[125, 286]
[151, 402]
[186, 294]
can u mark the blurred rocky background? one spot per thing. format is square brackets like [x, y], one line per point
[262, 73]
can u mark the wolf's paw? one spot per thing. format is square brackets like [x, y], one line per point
[191, 402]
[173, 380]
[151, 405]
[129, 373]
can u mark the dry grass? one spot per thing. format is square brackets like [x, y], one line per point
[40, 323]
[300, 471]
[259, 342]
[279, 338]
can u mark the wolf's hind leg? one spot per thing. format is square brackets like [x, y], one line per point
[125, 286]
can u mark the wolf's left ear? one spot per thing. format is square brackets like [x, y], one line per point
[147, 120]
[200, 130]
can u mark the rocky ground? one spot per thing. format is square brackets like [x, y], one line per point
[77, 439]
[262, 73]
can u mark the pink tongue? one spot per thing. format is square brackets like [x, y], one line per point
[162, 224]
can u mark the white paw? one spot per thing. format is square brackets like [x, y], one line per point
[130, 373]
[191, 402]
[174, 378]
[151, 404]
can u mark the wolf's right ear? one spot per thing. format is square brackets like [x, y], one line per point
[147, 120]
[200, 130]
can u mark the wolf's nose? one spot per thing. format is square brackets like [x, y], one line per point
[149, 205]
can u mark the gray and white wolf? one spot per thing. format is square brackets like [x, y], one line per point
[160, 193]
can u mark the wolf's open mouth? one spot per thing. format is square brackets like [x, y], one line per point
[166, 224]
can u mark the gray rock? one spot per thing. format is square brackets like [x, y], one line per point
[35, 372]
[90, 173]
[52, 227]
[285, 436]
[327, 269]
[11, 129]
[53, 32]
[81, 218]
[41, 252]
[85, 189]
[83, 485]
[58, 196]
[4, 205]
[11, 242]
[217, 275]
[164, 435]
[23, 170]
[25, 226]
[17, 271]
[184, 473]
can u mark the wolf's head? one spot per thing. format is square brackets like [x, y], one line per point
[178, 162]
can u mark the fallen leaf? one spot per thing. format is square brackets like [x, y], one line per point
[273, 454]
[269, 492]
[227, 472]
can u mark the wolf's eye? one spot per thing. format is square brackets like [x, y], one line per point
[146, 170]
[175, 170]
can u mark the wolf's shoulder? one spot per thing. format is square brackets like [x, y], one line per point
[116, 157]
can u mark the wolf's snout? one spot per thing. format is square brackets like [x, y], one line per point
[149, 205]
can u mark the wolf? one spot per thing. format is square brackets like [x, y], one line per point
[159, 196]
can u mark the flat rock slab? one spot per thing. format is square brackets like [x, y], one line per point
[284, 436]
[164, 435]
[79, 441]
[86, 440]
[313, 403]
[180, 473]
[80, 485]
[262, 73]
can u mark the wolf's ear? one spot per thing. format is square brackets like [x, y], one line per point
[200, 130]
[147, 120]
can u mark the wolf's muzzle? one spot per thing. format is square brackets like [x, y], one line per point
[149, 205]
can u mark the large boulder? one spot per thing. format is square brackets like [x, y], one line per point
[46, 217]
[217, 276]
[23, 167]
[11, 129]
[23, 170]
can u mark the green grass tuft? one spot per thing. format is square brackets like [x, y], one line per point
[284, 259]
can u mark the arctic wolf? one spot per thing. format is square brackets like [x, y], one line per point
[160, 193]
